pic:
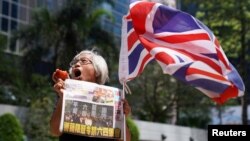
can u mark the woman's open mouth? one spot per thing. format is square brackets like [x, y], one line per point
[77, 74]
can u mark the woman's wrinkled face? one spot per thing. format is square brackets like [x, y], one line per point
[83, 69]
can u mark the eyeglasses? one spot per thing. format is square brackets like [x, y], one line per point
[83, 61]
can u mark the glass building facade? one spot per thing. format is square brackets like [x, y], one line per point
[118, 10]
[171, 3]
[17, 13]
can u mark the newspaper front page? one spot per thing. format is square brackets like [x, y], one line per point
[94, 110]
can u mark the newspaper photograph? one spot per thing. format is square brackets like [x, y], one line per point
[90, 109]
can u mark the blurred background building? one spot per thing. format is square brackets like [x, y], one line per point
[14, 14]
[118, 10]
[171, 3]
[17, 13]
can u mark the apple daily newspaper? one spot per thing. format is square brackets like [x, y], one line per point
[90, 109]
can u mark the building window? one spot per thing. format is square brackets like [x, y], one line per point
[13, 45]
[4, 24]
[120, 8]
[124, 1]
[29, 15]
[40, 3]
[5, 8]
[117, 31]
[24, 2]
[107, 26]
[118, 18]
[4, 38]
[22, 13]
[13, 10]
[13, 25]
[32, 3]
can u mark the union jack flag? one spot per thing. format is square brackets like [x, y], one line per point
[182, 45]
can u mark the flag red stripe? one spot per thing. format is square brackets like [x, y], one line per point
[191, 71]
[139, 16]
[207, 61]
[231, 91]
[164, 58]
[221, 58]
[217, 43]
[147, 44]
[142, 65]
[132, 38]
[150, 45]
[184, 38]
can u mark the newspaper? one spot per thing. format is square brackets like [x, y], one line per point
[90, 109]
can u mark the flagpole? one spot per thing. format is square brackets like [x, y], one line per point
[124, 116]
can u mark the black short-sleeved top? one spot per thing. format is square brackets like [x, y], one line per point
[71, 137]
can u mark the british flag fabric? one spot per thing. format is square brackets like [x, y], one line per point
[182, 45]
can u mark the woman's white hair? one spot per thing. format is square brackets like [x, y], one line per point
[99, 63]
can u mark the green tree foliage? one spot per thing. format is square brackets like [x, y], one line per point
[10, 76]
[54, 38]
[153, 95]
[37, 88]
[214, 16]
[3, 41]
[22, 93]
[229, 22]
[38, 117]
[161, 98]
[64, 33]
[61, 35]
[10, 128]
[135, 134]
[193, 107]
[39, 97]
[9, 73]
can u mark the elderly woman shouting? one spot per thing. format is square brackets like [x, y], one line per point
[85, 66]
